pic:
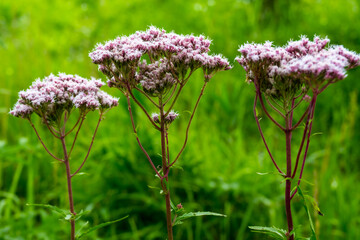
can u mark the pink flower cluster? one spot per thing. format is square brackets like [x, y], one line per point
[121, 57]
[156, 78]
[169, 118]
[301, 60]
[57, 93]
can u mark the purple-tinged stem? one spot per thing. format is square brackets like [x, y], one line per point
[308, 139]
[47, 150]
[77, 122]
[172, 94]
[50, 128]
[263, 138]
[138, 140]
[88, 152]
[288, 176]
[76, 134]
[300, 148]
[167, 148]
[165, 168]
[70, 193]
[306, 113]
[176, 97]
[189, 123]
[143, 108]
[264, 108]
[147, 96]
[273, 107]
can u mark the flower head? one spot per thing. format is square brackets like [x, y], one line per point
[285, 69]
[156, 78]
[171, 117]
[54, 94]
[121, 58]
[168, 118]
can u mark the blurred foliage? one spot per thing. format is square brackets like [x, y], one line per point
[225, 151]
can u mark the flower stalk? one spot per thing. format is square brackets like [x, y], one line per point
[157, 65]
[53, 100]
[283, 75]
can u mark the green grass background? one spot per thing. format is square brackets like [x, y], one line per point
[225, 151]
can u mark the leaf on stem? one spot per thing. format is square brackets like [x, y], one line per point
[177, 166]
[317, 133]
[80, 235]
[64, 213]
[313, 235]
[314, 204]
[276, 233]
[179, 219]
[81, 174]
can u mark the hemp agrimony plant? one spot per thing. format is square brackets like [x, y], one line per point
[286, 78]
[55, 99]
[158, 65]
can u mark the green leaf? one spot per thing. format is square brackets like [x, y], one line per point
[314, 204]
[81, 174]
[173, 207]
[99, 226]
[179, 219]
[80, 214]
[313, 235]
[287, 178]
[318, 133]
[274, 232]
[177, 166]
[62, 212]
[81, 228]
[152, 187]
[307, 182]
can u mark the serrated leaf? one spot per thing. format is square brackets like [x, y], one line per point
[313, 235]
[60, 211]
[274, 232]
[179, 219]
[98, 226]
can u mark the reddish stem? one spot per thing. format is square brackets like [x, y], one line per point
[274, 108]
[308, 139]
[263, 138]
[189, 123]
[70, 193]
[76, 134]
[47, 150]
[92, 141]
[165, 168]
[142, 107]
[138, 140]
[288, 175]
[264, 108]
